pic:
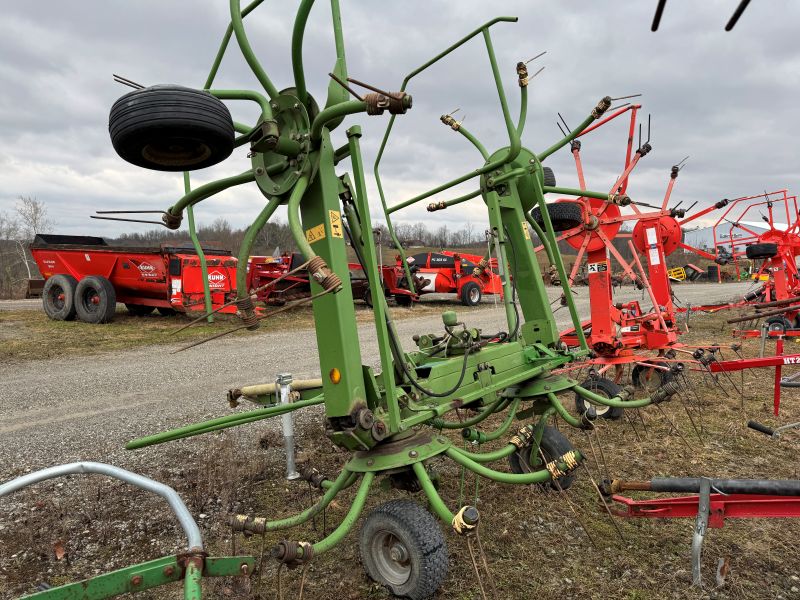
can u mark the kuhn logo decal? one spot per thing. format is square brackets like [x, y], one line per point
[216, 279]
[146, 270]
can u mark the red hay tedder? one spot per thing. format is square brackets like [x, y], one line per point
[85, 278]
[289, 286]
[625, 333]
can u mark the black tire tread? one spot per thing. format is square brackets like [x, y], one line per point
[414, 518]
[600, 384]
[765, 250]
[638, 370]
[554, 444]
[563, 215]
[465, 290]
[165, 111]
[104, 288]
[548, 177]
[68, 284]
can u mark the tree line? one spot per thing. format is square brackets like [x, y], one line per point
[19, 226]
[29, 217]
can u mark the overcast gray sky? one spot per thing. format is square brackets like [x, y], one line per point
[729, 100]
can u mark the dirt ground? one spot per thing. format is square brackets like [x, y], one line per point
[536, 543]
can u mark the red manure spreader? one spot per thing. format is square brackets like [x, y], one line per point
[85, 277]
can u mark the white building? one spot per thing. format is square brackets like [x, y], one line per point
[703, 238]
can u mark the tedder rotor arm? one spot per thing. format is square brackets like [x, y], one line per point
[483, 29]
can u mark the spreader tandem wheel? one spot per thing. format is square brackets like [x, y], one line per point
[58, 297]
[95, 300]
[402, 548]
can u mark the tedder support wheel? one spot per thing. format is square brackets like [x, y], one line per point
[756, 251]
[165, 312]
[139, 310]
[171, 128]
[402, 548]
[368, 298]
[649, 378]
[563, 215]
[603, 387]
[778, 323]
[95, 299]
[471, 294]
[553, 445]
[58, 297]
[403, 300]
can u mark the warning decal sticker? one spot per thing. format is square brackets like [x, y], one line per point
[315, 233]
[598, 267]
[335, 219]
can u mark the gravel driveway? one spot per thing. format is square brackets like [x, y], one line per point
[61, 410]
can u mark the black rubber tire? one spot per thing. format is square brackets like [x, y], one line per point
[779, 323]
[171, 128]
[139, 310]
[553, 445]
[403, 300]
[103, 308]
[604, 387]
[548, 177]
[756, 251]
[642, 376]
[368, 298]
[563, 215]
[424, 548]
[56, 307]
[165, 312]
[471, 294]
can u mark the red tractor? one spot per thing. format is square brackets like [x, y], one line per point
[469, 276]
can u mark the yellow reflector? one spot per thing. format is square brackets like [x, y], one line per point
[335, 375]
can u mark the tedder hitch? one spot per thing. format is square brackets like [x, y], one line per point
[189, 566]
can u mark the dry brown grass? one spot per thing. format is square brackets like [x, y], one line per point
[534, 543]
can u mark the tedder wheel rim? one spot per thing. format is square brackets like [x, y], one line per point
[650, 377]
[474, 295]
[392, 557]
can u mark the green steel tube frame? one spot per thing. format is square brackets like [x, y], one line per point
[312, 199]
[187, 187]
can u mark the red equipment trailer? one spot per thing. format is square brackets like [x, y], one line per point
[469, 276]
[86, 277]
